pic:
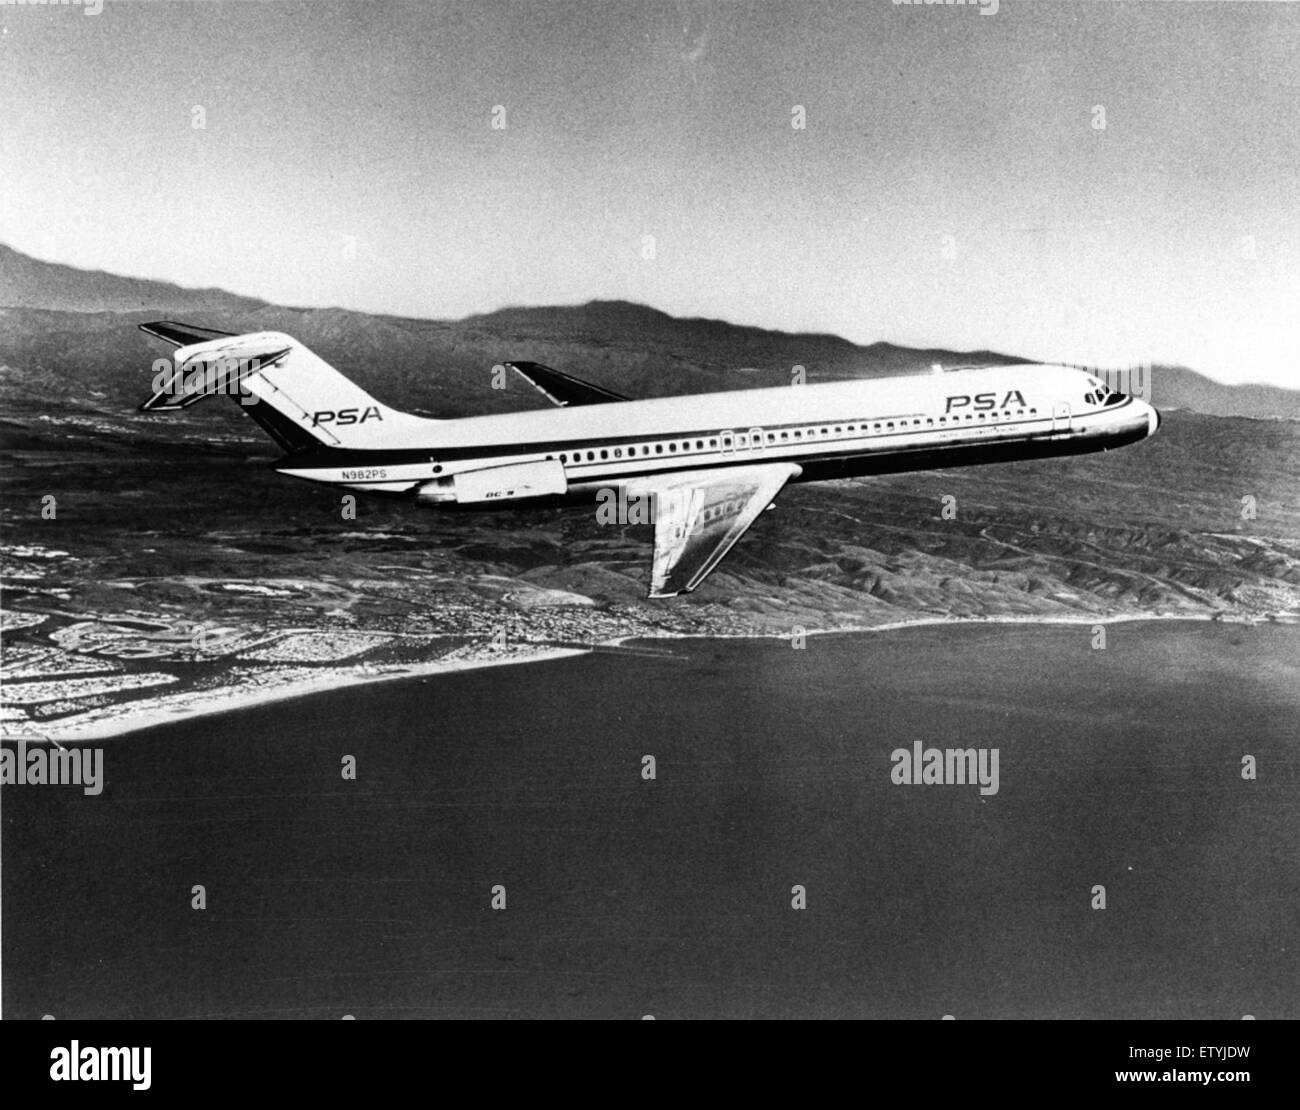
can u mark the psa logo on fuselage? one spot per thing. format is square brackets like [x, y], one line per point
[982, 402]
[346, 416]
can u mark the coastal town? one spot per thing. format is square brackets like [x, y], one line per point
[74, 669]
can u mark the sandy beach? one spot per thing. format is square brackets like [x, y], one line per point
[114, 721]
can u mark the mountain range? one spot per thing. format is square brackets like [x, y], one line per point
[68, 335]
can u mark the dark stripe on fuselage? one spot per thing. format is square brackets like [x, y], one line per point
[321, 456]
[832, 465]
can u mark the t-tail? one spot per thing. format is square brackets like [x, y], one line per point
[298, 398]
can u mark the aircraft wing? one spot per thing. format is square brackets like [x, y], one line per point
[561, 388]
[181, 335]
[699, 516]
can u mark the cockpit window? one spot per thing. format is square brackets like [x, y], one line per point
[1114, 398]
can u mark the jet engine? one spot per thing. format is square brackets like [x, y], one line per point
[512, 482]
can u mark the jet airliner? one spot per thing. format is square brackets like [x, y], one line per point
[709, 464]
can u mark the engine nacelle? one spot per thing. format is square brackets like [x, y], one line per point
[512, 482]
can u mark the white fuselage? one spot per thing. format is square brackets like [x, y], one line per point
[831, 430]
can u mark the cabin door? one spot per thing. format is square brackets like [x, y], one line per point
[1061, 418]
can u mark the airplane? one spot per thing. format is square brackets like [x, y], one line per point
[707, 464]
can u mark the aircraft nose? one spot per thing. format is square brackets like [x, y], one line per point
[1153, 419]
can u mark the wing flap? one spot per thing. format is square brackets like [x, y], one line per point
[699, 516]
[563, 389]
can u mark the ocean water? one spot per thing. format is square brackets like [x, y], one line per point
[675, 896]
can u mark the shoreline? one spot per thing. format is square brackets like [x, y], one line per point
[193, 704]
[184, 706]
[929, 622]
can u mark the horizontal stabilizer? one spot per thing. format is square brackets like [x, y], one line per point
[563, 389]
[297, 398]
[193, 379]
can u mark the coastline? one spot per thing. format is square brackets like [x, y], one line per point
[927, 622]
[105, 723]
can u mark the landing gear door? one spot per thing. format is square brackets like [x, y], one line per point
[1061, 417]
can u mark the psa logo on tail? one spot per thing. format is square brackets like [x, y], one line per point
[345, 416]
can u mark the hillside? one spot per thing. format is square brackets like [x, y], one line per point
[27, 282]
[71, 333]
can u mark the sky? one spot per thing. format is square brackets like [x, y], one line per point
[1088, 181]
